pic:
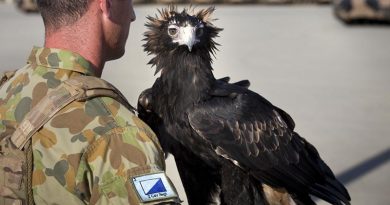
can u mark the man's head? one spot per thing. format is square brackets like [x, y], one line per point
[105, 21]
[58, 13]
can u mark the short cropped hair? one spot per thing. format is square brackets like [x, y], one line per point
[58, 13]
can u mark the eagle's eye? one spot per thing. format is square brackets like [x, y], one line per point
[172, 30]
[199, 32]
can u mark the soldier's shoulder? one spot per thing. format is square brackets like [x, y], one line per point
[125, 118]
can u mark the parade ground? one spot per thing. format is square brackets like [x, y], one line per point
[333, 79]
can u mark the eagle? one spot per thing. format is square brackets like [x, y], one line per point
[231, 145]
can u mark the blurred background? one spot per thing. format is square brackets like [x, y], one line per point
[326, 63]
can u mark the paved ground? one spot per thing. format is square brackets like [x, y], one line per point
[333, 79]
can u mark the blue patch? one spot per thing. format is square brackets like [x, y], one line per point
[157, 187]
[153, 187]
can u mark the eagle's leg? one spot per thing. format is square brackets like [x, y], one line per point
[239, 188]
[200, 181]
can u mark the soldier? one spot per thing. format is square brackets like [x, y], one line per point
[91, 152]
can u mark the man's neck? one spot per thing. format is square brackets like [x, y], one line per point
[87, 45]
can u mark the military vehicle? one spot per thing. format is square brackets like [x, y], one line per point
[358, 11]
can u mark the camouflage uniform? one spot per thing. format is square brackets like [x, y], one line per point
[90, 151]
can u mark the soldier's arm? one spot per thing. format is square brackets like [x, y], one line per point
[127, 167]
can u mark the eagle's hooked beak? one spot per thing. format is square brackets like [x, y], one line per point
[188, 36]
[189, 47]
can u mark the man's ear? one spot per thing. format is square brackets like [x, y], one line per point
[106, 7]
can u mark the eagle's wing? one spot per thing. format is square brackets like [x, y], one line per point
[245, 128]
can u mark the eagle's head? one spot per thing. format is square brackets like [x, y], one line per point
[188, 31]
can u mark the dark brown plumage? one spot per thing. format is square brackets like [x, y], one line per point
[231, 145]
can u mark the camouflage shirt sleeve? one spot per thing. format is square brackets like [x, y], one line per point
[120, 155]
[117, 147]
